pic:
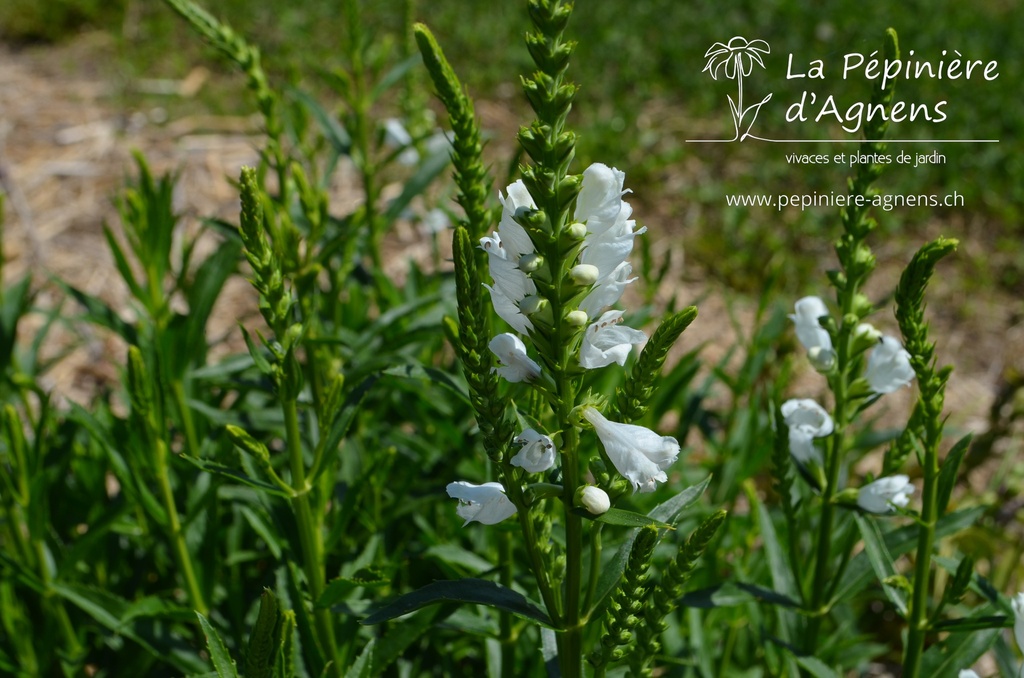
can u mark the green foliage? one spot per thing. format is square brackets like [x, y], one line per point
[134, 529]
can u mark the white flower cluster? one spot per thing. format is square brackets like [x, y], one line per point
[605, 231]
[602, 220]
[888, 369]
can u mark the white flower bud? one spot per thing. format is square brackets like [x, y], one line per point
[532, 304]
[577, 318]
[594, 499]
[822, 359]
[584, 275]
[530, 262]
[577, 230]
[867, 331]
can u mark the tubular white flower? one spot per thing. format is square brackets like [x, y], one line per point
[594, 499]
[537, 454]
[607, 290]
[1017, 604]
[516, 366]
[609, 236]
[607, 342]
[505, 248]
[967, 673]
[808, 330]
[485, 503]
[885, 494]
[888, 367]
[599, 202]
[639, 454]
[806, 420]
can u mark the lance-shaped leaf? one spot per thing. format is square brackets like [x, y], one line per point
[477, 591]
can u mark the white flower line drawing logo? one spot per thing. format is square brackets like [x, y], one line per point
[737, 58]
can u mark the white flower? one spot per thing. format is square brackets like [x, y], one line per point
[606, 342]
[806, 420]
[867, 331]
[1017, 604]
[505, 248]
[883, 495]
[485, 503]
[609, 234]
[515, 364]
[888, 367]
[607, 290]
[808, 330]
[967, 673]
[639, 454]
[600, 202]
[594, 499]
[537, 454]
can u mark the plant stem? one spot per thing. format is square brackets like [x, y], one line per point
[191, 439]
[177, 534]
[508, 657]
[310, 538]
[918, 622]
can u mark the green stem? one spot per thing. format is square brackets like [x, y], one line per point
[310, 537]
[570, 646]
[177, 534]
[74, 648]
[595, 565]
[918, 621]
[508, 657]
[191, 439]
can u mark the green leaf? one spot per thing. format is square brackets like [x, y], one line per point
[394, 75]
[817, 668]
[333, 131]
[476, 591]
[123, 267]
[328, 445]
[339, 588]
[622, 517]
[881, 561]
[265, 639]
[959, 651]
[435, 376]
[782, 576]
[731, 594]
[453, 554]
[362, 665]
[418, 182]
[14, 303]
[219, 654]
[899, 542]
[404, 634]
[666, 512]
[949, 471]
[234, 474]
[100, 314]
[995, 621]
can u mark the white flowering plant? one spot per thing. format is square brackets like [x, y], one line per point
[557, 264]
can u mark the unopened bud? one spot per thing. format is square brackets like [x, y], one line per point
[584, 275]
[528, 263]
[867, 331]
[532, 304]
[822, 359]
[594, 499]
[577, 318]
[577, 230]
